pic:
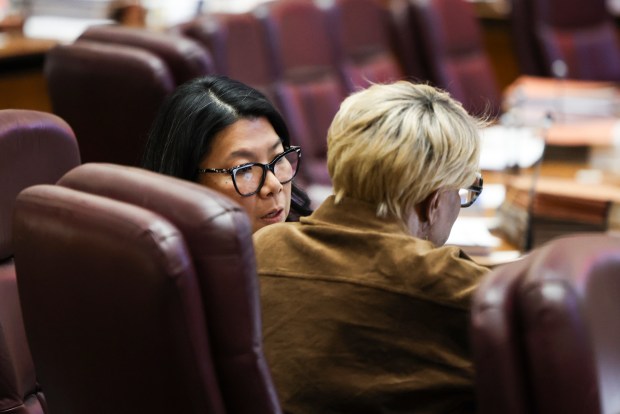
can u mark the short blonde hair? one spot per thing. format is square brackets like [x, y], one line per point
[393, 145]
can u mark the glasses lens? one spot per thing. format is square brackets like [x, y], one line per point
[467, 196]
[248, 179]
[286, 167]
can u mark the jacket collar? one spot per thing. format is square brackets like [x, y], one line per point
[358, 214]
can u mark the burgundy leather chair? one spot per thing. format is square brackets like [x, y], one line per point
[580, 33]
[404, 40]
[238, 44]
[362, 36]
[449, 42]
[35, 147]
[219, 240]
[308, 86]
[109, 94]
[112, 306]
[543, 330]
[185, 58]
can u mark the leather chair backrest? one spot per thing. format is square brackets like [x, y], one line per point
[185, 58]
[109, 94]
[308, 86]
[111, 306]
[19, 391]
[580, 33]
[526, 46]
[501, 380]
[362, 36]
[403, 36]
[219, 238]
[583, 35]
[450, 43]
[238, 44]
[555, 317]
[35, 148]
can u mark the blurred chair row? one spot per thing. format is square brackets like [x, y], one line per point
[309, 55]
[306, 55]
[110, 83]
[581, 34]
[139, 294]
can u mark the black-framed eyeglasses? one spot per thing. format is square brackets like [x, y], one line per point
[249, 178]
[470, 194]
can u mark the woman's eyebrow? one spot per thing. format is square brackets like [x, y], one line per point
[242, 153]
[249, 154]
[277, 144]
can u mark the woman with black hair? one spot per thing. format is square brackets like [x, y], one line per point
[227, 136]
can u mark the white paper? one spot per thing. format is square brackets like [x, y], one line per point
[503, 147]
[62, 29]
[472, 232]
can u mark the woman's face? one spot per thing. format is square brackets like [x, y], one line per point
[249, 140]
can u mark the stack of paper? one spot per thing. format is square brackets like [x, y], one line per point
[473, 236]
[531, 216]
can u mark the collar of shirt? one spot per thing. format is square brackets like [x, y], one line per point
[358, 214]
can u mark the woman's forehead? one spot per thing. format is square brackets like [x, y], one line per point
[249, 135]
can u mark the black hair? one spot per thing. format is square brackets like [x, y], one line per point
[191, 117]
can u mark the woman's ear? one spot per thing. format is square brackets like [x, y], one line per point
[427, 209]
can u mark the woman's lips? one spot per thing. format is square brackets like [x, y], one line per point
[274, 216]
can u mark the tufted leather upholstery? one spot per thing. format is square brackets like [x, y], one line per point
[112, 306]
[449, 41]
[543, 330]
[220, 243]
[35, 147]
[109, 94]
[185, 58]
[362, 36]
[581, 33]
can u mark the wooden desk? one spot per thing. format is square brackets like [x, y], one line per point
[22, 85]
[16, 46]
[506, 252]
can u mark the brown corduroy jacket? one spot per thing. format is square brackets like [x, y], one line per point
[360, 317]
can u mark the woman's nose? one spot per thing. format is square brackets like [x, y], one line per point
[271, 185]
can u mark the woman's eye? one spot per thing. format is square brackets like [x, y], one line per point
[245, 173]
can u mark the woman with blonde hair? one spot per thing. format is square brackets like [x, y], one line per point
[364, 309]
